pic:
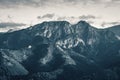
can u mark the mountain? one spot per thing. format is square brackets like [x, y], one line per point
[115, 29]
[58, 50]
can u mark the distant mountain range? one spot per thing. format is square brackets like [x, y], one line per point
[58, 50]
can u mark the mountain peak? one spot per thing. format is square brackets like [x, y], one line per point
[56, 22]
[83, 25]
[82, 22]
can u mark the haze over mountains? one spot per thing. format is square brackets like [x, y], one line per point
[58, 50]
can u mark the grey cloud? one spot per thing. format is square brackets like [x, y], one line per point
[114, 23]
[17, 3]
[110, 23]
[116, 1]
[107, 3]
[87, 17]
[88, 1]
[38, 3]
[10, 24]
[61, 18]
[82, 17]
[50, 16]
[39, 17]
[66, 18]
[79, 1]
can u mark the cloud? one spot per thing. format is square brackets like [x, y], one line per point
[110, 23]
[14, 3]
[105, 3]
[50, 16]
[10, 24]
[82, 17]
[61, 18]
[92, 1]
[39, 3]
[79, 1]
[85, 17]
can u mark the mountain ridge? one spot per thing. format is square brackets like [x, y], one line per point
[57, 49]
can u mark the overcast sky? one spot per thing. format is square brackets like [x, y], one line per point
[16, 14]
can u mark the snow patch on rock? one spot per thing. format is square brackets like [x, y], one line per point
[70, 43]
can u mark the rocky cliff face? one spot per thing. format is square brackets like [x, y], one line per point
[57, 50]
